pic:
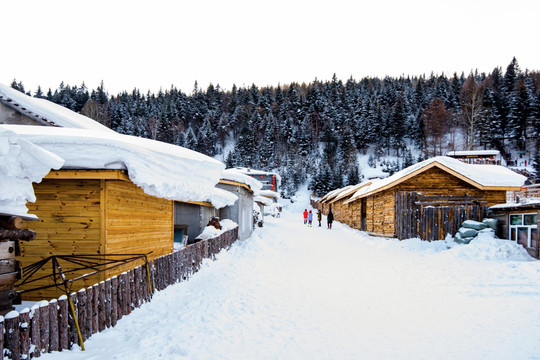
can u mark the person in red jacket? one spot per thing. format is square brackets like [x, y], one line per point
[305, 216]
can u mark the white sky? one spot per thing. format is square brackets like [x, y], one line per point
[153, 44]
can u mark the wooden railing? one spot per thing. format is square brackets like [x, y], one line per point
[49, 325]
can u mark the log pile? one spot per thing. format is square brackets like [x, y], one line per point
[11, 233]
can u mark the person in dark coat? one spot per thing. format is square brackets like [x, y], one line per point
[330, 218]
[319, 216]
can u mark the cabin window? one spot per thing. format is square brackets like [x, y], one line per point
[524, 229]
[179, 232]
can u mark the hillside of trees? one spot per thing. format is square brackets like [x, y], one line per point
[316, 130]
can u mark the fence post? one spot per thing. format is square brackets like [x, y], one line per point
[24, 328]
[107, 294]
[53, 326]
[114, 301]
[13, 344]
[63, 323]
[35, 336]
[44, 326]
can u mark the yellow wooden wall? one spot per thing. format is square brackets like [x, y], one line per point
[94, 216]
[69, 223]
[136, 223]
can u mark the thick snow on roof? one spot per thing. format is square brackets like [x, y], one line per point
[352, 190]
[248, 171]
[220, 198]
[473, 152]
[263, 200]
[160, 169]
[21, 163]
[334, 193]
[237, 176]
[270, 194]
[483, 175]
[46, 111]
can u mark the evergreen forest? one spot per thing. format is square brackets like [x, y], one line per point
[317, 131]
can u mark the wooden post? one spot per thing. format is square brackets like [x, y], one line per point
[101, 307]
[95, 309]
[24, 328]
[1, 337]
[13, 342]
[136, 287]
[53, 326]
[63, 323]
[107, 299]
[74, 333]
[89, 311]
[82, 315]
[121, 286]
[44, 326]
[114, 301]
[35, 336]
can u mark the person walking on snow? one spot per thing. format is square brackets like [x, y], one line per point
[319, 217]
[305, 216]
[330, 218]
[310, 218]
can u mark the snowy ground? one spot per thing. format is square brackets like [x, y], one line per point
[292, 292]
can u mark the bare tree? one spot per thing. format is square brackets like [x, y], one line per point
[471, 107]
[436, 120]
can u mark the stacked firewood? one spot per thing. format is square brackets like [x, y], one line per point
[11, 233]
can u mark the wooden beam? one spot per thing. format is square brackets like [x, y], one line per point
[235, 183]
[88, 174]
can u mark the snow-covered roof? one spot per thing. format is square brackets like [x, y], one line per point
[248, 171]
[353, 189]
[21, 163]
[485, 177]
[270, 194]
[239, 177]
[334, 193]
[474, 152]
[263, 200]
[533, 203]
[47, 112]
[160, 169]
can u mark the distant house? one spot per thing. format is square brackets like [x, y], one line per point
[115, 194]
[484, 157]
[270, 180]
[17, 108]
[518, 218]
[241, 212]
[426, 200]
[340, 207]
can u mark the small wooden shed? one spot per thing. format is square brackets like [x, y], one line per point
[95, 212]
[431, 198]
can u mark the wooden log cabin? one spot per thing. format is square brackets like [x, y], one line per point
[114, 195]
[95, 212]
[429, 199]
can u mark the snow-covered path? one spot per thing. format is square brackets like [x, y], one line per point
[293, 292]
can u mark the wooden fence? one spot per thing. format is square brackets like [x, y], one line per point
[49, 325]
[432, 217]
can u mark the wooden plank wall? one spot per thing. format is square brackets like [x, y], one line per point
[137, 223]
[69, 222]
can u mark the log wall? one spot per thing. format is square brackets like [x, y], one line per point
[49, 325]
